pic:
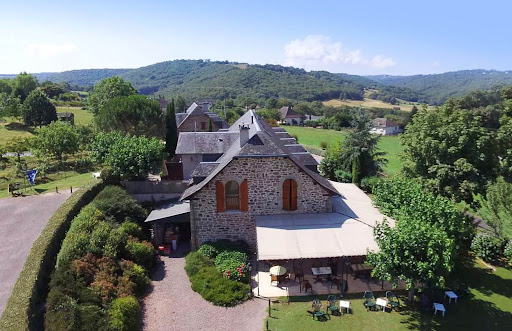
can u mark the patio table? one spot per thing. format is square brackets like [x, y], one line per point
[439, 307]
[382, 302]
[451, 296]
[345, 304]
[321, 271]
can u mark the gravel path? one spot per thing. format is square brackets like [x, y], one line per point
[172, 305]
[21, 222]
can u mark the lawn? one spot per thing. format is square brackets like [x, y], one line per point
[82, 116]
[10, 128]
[310, 137]
[487, 307]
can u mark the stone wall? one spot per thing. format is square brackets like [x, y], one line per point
[265, 178]
[193, 124]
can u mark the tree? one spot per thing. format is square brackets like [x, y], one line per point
[496, 208]
[359, 150]
[10, 106]
[171, 130]
[38, 110]
[57, 139]
[106, 90]
[52, 90]
[451, 149]
[271, 103]
[133, 114]
[414, 252]
[504, 135]
[129, 157]
[18, 146]
[180, 104]
[210, 126]
[5, 86]
[23, 85]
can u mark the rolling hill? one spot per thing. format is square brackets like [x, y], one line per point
[437, 88]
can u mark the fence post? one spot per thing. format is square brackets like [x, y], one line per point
[269, 309]
[56, 189]
[71, 189]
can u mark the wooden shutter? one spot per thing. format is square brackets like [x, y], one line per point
[293, 193]
[220, 196]
[244, 196]
[286, 194]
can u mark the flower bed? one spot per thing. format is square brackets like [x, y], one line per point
[218, 271]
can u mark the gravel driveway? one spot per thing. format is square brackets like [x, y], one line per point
[172, 305]
[21, 222]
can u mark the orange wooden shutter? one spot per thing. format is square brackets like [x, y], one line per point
[286, 195]
[244, 196]
[293, 198]
[220, 196]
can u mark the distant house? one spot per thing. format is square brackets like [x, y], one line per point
[67, 117]
[290, 116]
[385, 127]
[197, 118]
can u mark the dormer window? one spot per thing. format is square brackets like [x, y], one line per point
[290, 195]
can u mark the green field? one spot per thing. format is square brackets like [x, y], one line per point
[82, 116]
[310, 137]
[487, 307]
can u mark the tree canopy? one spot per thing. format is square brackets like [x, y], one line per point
[38, 109]
[133, 114]
[106, 90]
[129, 157]
[496, 208]
[57, 139]
[22, 85]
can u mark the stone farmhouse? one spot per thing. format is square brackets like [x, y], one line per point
[197, 118]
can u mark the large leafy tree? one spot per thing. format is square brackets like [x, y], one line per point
[414, 252]
[106, 90]
[133, 114]
[452, 150]
[505, 135]
[18, 146]
[9, 105]
[5, 86]
[359, 153]
[129, 157]
[58, 139]
[38, 109]
[171, 130]
[23, 85]
[497, 208]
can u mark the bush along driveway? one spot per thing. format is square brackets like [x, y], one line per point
[173, 305]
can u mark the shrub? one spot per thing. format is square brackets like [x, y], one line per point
[296, 137]
[487, 246]
[343, 176]
[92, 317]
[208, 250]
[232, 265]
[137, 274]
[367, 183]
[218, 290]
[31, 288]
[125, 314]
[141, 253]
[195, 261]
[508, 251]
[115, 202]
[323, 144]
[132, 229]
[311, 123]
[62, 312]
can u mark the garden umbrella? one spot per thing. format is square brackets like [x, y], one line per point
[277, 270]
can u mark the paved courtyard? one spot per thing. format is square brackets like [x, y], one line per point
[172, 305]
[21, 222]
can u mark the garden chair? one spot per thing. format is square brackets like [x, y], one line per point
[332, 307]
[317, 309]
[369, 300]
[392, 299]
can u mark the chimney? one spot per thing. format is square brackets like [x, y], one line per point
[244, 134]
[205, 107]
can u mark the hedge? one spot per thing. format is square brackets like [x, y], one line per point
[23, 309]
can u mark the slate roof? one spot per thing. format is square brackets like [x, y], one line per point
[205, 142]
[295, 148]
[383, 123]
[263, 142]
[288, 112]
[195, 109]
[203, 169]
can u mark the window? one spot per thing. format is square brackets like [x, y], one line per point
[232, 195]
[289, 194]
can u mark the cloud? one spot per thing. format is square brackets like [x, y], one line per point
[51, 49]
[317, 51]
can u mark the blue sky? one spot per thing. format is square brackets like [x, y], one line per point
[357, 37]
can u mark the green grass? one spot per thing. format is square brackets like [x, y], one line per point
[11, 128]
[313, 137]
[82, 116]
[487, 307]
